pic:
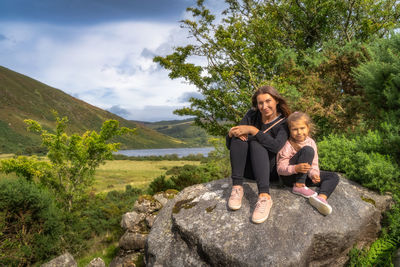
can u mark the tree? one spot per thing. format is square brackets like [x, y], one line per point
[380, 79]
[73, 159]
[245, 49]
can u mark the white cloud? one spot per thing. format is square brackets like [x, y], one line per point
[105, 65]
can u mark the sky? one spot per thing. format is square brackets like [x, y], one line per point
[100, 51]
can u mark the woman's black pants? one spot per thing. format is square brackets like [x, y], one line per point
[306, 154]
[251, 160]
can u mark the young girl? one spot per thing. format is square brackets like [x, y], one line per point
[297, 164]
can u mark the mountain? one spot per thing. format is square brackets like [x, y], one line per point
[184, 130]
[22, 98]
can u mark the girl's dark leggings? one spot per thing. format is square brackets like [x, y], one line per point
[329, 180]
[251, 160]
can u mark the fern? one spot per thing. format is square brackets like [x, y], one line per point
[379, 254]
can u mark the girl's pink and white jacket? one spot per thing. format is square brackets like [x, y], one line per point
[287, 152]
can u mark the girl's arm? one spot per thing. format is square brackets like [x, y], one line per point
[283, 157]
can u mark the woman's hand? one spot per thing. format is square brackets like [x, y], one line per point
[242, 131]
[302, 168]
[316, 179]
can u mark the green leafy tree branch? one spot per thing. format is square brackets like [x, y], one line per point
[72, 159]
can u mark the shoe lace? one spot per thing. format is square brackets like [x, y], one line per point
[261, 205]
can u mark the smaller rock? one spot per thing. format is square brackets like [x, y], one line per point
[128, 260]
[146, 204]
[65, 260]
[130, 219]
[96, 262]
[160, 197]
[150, 220]
[132, 241]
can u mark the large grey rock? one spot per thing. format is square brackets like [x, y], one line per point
[65, 260]
[197, 229]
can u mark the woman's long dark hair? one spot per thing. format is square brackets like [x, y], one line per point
[282, 106]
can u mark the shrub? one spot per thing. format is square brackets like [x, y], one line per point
[355, 158]
[160, 184]
[30, 223]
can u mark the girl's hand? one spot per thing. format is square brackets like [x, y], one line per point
[302, 168]
[316, 179]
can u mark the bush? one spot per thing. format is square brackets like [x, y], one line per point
[30, 223]
[96, 215]
[362, 159]
[355, 158]
[160, 184]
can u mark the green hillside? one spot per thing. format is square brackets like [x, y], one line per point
[24, 98]
[184, 130]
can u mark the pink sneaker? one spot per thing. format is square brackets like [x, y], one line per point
[235, 200]
[262, 209]
[304, 191]
[321, 205]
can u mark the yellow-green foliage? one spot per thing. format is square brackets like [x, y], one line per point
[116, 174]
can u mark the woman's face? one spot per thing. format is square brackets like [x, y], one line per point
[266, 104]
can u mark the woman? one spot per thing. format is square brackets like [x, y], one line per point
[253, 147]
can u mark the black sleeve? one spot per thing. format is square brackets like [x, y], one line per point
[274, 144]
[245, 121]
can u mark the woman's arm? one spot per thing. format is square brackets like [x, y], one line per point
[271, 143]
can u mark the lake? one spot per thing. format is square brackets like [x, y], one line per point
[181, 152]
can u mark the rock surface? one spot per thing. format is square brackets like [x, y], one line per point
[96, 262]
[197, 229]
[65, 260]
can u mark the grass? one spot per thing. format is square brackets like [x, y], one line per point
[99, 250]
[116, 174]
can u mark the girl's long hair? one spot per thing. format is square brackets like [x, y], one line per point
[282, 106]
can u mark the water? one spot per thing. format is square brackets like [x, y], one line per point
[181, 152]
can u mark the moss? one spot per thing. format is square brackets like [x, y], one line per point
[183, 204]
[369, 200]
[211, 208]
[139, 262]
[170, 193]
[142, 198]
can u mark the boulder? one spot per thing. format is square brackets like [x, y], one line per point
[146, 204]
[96, 262]
[132, 241]
[131, 219]
[197, 229]
[65, 260]
[128, 259]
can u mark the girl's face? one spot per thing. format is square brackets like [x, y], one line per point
[299, 130]
[266, 104]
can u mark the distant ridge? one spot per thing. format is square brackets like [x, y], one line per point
[22, 98]
[184, 130]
